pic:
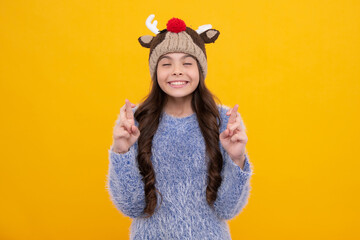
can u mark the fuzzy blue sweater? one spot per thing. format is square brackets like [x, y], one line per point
[178, 158]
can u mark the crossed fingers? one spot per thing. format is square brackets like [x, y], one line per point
[126, 116]
[235, 123]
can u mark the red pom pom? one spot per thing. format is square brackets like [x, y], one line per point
[176, 25]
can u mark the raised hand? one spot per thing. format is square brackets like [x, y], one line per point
[125, 132]
[233, 138]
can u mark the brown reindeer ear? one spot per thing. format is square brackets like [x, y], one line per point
[209, 36]
[145, 40]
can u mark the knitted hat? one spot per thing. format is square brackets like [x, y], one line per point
[177, 37]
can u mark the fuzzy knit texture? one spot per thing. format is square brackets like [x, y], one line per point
[178, 157]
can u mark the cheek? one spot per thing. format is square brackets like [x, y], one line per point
[159, 73]
[195, 71]
[161, 76]
[195, 74]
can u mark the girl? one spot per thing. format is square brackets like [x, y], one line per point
[178, 165]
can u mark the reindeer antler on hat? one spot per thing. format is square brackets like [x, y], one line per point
[177, 37]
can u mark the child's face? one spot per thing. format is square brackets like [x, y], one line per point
[182, 70]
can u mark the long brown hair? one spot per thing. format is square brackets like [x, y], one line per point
[148, 113]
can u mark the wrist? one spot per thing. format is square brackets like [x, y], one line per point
[119, 151]
[239, 158]
[240, 161]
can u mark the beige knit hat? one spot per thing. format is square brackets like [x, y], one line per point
[177, 37]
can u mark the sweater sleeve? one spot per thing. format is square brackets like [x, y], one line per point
[234, 191]
[124, 182]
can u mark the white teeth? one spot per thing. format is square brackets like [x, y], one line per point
[178, 83]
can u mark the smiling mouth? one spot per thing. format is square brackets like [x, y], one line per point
[178, 84]
[181, 82]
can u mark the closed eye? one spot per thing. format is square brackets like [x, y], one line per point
[188, 63]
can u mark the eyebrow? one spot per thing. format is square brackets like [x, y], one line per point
[185, 56]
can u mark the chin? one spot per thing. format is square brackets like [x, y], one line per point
[178, 95]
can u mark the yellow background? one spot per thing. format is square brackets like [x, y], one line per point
[66, 68]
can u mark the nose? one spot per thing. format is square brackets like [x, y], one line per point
[177, 73]
[177, 70]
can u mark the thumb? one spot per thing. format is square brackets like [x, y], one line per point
[224, 134]
[135, 131]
